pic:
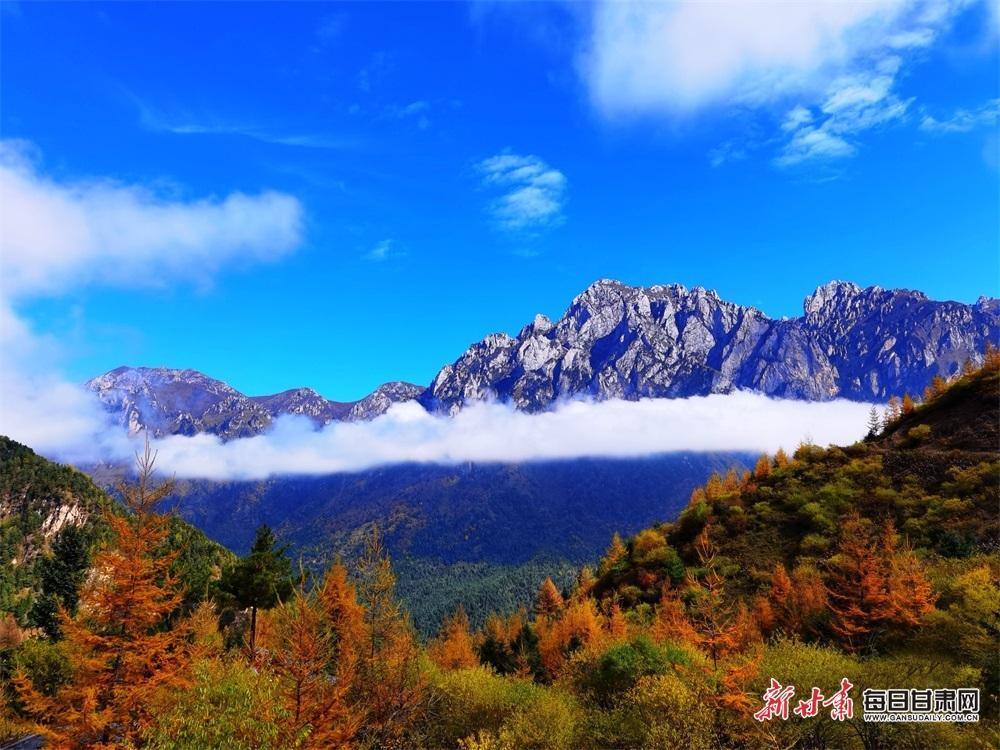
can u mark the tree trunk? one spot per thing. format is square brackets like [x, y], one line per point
[253, 634]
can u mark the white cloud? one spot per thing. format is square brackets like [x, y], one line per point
[852, 104]
[383, 251]
[963, 120]
[491, 433]
[187, 124]
[56, 236]
[676, 57]
[533, 192]
[59, 234]
[810, 144]
[826, 71]
[797, 117]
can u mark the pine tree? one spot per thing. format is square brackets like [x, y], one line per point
[577, 626]
[938, 385]
[858, 589]
[343, 615]
[895, 408]
[726, 634]
[390, 680]
[874, 422]
[781, 589]
[763, 467]
[671, 622]
[615, 554]
[714, 487]
[617, 624]
[991, 357]
[584, 583]
[908, 404]
[549, 601]
[781, 459]
[260, 580]
[452, 649]
[122, 652]
[61, 574]
[313, 684]
[911, 595]
[731, 482]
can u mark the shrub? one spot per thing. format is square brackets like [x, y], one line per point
[619, 668]
[44, 663]
[229, 706]
[468, 702]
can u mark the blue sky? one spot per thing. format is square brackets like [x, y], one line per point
[415, 176]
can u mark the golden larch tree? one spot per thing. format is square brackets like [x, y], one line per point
[452, 649]
[122, 651]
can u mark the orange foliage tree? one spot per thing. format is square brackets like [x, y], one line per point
[549, 601]
[794, 602]
[452, 649]
[121, 653]
[908, 405]
[874, 588]
[390, 681]
[575, 626]
[726, 634]
[313, 675]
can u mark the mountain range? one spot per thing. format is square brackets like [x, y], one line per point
[620, 341]
[187, 402]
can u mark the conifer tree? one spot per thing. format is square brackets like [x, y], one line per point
[549, 601]
[260, 580]
[991, 357]
[938, 385]
[874, 422]
[452, 649]
[781, 459]
[122, 651]
[342, 614]
[895, 408]
[727, 635]
[907, 405]
[62, 574]
[616, 553]
[874, 587]
[314, 690]
[390, 680]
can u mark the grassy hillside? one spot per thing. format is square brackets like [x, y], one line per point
[42, 502]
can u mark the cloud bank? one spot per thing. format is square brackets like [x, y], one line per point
[825, 71]
[484, 432]
[56, 235]
[678, 57]
[61, 235]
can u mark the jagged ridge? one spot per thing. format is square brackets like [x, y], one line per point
[187, 402]
[619, 341]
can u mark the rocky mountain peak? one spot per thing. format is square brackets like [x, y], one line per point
[830, 295]
[619, 341]
[168, 401]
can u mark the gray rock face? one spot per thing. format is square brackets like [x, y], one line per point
[186, 402]
[617, 341]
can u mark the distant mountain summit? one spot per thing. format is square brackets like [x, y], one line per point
[186, 402]
[619, 341]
